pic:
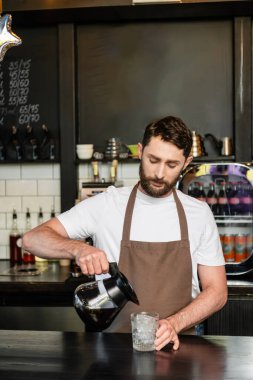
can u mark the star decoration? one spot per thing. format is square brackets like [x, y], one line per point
[7, 37]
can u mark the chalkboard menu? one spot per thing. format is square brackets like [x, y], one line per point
[29, 96]
[134, 72]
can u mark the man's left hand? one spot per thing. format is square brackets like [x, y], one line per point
[166, 334]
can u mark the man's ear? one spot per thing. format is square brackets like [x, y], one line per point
[188, 161]
[140, 149]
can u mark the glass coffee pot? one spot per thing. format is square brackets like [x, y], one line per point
[98, 302]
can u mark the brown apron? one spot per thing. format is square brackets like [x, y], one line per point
[160, 272]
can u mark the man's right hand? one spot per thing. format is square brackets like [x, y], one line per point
[92, 260]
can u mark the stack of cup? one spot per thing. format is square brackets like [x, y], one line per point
[113, 148]
[84, 151]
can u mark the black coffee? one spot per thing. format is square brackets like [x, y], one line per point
[98, 318]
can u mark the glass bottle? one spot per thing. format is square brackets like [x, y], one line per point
[211, 198]
[246, 199]
[233, 200]
[190, 190]
[40, 221]
[30, 148]
[223, 200]
[201, 196]
[40, 216]
[28, 258]
[13, 148]
[15, 241]
[52, 214]
[195, 190]
[240, 194]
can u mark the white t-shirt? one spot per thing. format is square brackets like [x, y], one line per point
[154, 220]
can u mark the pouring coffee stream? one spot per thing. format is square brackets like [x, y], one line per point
[98, 302]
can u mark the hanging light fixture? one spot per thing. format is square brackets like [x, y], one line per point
[8, 39]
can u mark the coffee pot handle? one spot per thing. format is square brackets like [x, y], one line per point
[113, 269]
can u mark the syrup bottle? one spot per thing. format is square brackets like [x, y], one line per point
[15, 242]
[28, 258]
[40, 260]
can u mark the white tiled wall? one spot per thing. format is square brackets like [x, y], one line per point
[33, 186]
[25, 186]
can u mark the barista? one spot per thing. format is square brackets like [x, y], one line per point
[163, 240]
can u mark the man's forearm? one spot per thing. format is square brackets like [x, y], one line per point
[205, 304]
[45, 242]
[50, 240]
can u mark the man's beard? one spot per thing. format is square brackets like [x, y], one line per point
[146, 184]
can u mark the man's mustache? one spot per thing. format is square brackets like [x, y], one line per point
[157, 180]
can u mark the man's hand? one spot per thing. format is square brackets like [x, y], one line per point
[166, 334]
[92, 260]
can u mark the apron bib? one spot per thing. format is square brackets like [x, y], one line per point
[159, 272]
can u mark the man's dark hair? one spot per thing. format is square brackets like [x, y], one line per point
[170, 129]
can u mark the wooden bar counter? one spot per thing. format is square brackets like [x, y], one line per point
[98, 356]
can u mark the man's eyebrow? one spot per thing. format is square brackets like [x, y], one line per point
[168, 161]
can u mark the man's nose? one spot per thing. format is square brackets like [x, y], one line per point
[160, 171]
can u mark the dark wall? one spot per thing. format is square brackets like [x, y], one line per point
[131, 73]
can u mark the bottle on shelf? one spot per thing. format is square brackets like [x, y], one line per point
[246, 200]
[28, 258]
[52, 214]
[195, 192]
[201, 195]
[228, 189]
[13, 147]
[240, 196]
[40, 216]
[211, 198]
[223, 206]
[190, 188]
[233, 200]
[15, 241]
[47, 146]
[40, 260]
[30, 147]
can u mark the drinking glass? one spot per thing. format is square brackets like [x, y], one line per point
[144, 326]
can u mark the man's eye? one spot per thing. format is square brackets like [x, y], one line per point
[172, 166]
[153, 161]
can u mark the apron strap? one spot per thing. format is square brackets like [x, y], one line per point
[181, 216]
[129, 214]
